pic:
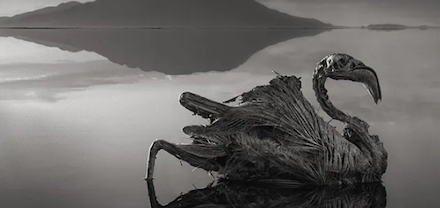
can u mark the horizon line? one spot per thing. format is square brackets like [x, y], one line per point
[213, 27]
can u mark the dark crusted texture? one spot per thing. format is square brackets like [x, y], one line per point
[275, 135]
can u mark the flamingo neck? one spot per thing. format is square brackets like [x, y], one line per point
[319, 79]
[362, 139]
[368, 144]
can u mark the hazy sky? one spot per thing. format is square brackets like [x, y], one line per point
[363, 12]
[338, 12]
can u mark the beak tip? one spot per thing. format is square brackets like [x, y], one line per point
[377, 100]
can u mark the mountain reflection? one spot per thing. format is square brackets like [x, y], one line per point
[241, 195]
[170, 51]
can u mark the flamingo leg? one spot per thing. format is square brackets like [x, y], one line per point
[185, 152]
[152, 195]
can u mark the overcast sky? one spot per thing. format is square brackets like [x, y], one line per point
[363, 12]
[338, 12]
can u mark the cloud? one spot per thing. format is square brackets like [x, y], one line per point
[49, 81]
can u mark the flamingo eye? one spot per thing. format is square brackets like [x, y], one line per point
[342, 61]
[352, 65]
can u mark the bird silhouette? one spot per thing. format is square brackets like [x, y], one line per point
[274, 135]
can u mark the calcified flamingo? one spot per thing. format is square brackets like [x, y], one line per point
[276, 136]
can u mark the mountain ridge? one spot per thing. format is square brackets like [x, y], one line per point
[158, 13]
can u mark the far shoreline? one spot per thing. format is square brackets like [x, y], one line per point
[216, 27]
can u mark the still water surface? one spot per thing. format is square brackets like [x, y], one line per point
[76, 127]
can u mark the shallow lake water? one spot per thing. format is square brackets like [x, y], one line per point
[77, 120]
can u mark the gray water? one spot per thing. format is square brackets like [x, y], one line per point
[76, 126]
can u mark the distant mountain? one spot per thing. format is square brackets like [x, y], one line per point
[159, 13]
[391, 27]
[386, 27]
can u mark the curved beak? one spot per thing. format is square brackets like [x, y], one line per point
[365, 75]
[368, 77]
